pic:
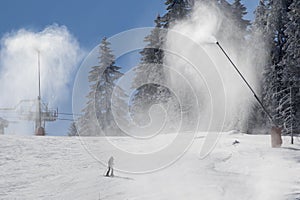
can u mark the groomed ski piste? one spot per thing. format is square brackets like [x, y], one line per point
[62, 168]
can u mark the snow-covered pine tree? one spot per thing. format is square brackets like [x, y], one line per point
[291, 65]
[105, 85]
[239, 11]
[150, 70]
[120, 109]
[286, 109]
[225, 6]
[176, 10]
[98, 117]
[259, 36]
[277, 18]
[260, 21]
[88, 123]
[291, 59]
[73, 130]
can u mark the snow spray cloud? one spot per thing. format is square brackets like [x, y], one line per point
[206, 27]
[59, 56]
[209, 95]
[147, 147]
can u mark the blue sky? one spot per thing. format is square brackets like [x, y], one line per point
[89, 21]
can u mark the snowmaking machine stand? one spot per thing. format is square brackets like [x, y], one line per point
[276, 140]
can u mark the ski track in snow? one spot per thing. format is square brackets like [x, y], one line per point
[60, 168]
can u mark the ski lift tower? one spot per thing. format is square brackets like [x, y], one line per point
[42, 116]
[32, 110]
[39, 130]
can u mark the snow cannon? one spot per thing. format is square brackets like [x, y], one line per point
[276, 130]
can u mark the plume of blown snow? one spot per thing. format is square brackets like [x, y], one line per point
[59, 57]
[203, 28]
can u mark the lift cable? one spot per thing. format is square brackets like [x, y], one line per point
[73, 114]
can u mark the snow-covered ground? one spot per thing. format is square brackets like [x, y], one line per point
[62, 168]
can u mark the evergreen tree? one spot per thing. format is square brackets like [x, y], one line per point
[88, 123]
[261, 55]
[225, 6]
[239, 11]
[291, 65]
[152, 54]
[176, 10]
[151, 68]
[277, 18]
[73, 130]
[151, 71]
[105, 85]
[260, 37]
[260, 22]
[291, 60]
[271, 24]
[98, 116]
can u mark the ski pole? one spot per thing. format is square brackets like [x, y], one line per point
[241, 75]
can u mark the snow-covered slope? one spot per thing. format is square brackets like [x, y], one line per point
[61, 168]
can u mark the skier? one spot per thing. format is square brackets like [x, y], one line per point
[110, 167]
